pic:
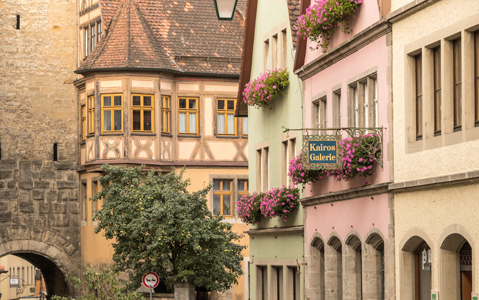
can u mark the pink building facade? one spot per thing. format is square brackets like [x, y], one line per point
[349, 236]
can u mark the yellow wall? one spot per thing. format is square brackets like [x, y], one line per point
[97, 251]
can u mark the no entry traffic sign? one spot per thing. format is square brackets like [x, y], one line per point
[151, 280]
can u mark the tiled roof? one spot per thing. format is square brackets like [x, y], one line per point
[294, 9]
[178, 35]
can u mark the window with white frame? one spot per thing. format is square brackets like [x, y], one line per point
[363, 102]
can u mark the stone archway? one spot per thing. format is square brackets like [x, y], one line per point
[55, 264]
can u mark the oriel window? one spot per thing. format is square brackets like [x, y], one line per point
[112, 111]
[222, 198]
[188, 115]
[142, 110]
[437, 90]
[457, 69]
[226, 117]
[83, 122]
[476, 79]
[165, 114]
[418, 79]
[91, 115]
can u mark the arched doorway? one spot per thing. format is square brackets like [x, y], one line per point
[416, 269]
[52, 277]
[375, 270]
[353, 271]
[456, 266]
[54, 264]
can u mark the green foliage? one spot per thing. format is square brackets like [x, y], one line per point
[105, 285]
[158, 225]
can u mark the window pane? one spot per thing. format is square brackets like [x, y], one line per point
[182, 103]
[182, 122]
[226, 205]
[117, 100]
[137, 100]
[192, 103]
[147, 101]
[227, 185]
[192, 128]
[221, 104]
[221, 124]
[216, 204]
[136, 120]
[107, 101]
[147, 120]
[231, 124]
[231, 104]
[245, 125]
[216, 185]
[241, 185]
[117, 120]
[107, 120]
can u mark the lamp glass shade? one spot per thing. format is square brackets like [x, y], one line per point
[225, 9]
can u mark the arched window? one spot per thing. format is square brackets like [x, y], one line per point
[315, 280]
[456, 267]
[416, 273]
[353, 270]
[374, 267]
[334, 272]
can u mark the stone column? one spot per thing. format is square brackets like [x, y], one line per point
[184, 291]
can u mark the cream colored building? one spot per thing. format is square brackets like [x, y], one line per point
[22, 270]
[436, 114]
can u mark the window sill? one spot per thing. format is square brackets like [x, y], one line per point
[227, 136]
[189, 136]
[143, 133]
[82, 143]
[111, 133]
[167, 134]
[90, 136]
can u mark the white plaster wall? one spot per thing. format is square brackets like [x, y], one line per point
[444, 160]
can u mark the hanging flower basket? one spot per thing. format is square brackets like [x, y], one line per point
[261, 91]
[279, 202]
[299, 174]
[323, 17]
[249, 208]
[253, 208]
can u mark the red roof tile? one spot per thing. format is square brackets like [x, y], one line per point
[178, 35]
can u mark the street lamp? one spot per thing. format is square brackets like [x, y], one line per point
[225, 9]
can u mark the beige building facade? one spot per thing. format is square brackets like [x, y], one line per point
[436, 104]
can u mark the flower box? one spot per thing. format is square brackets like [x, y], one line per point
[261, 91]
[323, 17]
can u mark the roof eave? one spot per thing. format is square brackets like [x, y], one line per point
[157, 70]
[247, 57]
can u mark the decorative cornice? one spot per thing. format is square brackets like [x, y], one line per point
[435, 182]
[168, 163]
[409, 9]
[345, 49]
[365, 191]
[276, 230]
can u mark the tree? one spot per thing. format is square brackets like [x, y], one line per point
[158, 225]
[105, 285]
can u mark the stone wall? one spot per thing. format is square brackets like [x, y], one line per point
[39, 196]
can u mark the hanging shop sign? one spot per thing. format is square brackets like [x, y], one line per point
[322, 152]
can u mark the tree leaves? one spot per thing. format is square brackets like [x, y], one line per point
[158, 225]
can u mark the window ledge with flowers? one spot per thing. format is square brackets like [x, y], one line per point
[261, 91]
[277, 203]
[323, 17]
[359, 155]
